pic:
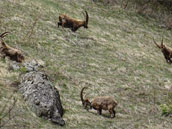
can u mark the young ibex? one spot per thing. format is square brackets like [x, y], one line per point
[7, 51]
[167, 52]
[100, 103]
[73, 24]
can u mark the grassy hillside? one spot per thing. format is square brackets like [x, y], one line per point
[115, 56]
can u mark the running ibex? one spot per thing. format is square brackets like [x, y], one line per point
[73, 24]
[100, 103]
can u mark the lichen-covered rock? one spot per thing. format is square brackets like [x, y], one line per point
[42, 96]
[29, 65]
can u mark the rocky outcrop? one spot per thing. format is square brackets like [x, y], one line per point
[42, 96]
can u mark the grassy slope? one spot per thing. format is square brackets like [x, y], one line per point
[115, 56]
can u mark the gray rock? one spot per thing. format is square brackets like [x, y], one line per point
[14, 66]
[29, 66]
[42, 96]
[32, 66]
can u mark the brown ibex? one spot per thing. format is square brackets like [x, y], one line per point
[167, 52]
[7, 51]
[73, 24]
[100, 103]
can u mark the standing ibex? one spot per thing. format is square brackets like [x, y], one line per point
[100, 103]
[167, 52]
[10, 52]
[73, 24]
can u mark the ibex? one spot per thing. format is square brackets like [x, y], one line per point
[100, 103]
[167, 52]
[73, 24]
[7, 51]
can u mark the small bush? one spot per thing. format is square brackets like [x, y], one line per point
[166, 109]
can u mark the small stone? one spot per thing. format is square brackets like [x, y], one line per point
[122, 70]
[14, 66]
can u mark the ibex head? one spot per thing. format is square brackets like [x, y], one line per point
[86, 20]
[85, 102]
[167, 51]
[2, 36]
[162, 46]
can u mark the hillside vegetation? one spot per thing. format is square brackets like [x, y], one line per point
[115, 56]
